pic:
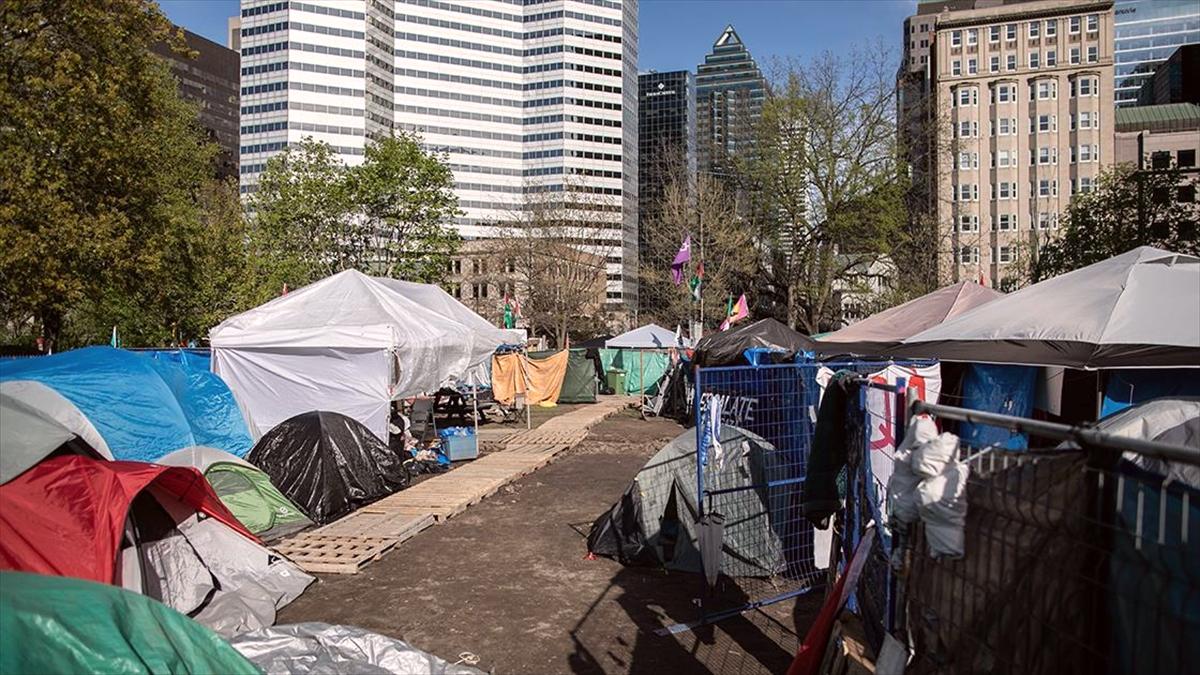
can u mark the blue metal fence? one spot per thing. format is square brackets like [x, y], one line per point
[777, 403]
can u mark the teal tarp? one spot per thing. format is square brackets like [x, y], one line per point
[62, 625]
[635, 362]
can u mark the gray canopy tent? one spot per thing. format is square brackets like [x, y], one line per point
[880, 333]
[1140, 309]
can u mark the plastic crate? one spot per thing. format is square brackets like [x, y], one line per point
[460, 447]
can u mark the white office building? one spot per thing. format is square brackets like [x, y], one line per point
[520, 94]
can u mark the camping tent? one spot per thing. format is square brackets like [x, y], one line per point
[650, 336]
[654, 522]
[1140, 309]
[881, 332]
[347, 343]
[28, 434]
[126, 405]
[59, 625]
[728, 347]
[245, 490]
[328, 464]
[579, 384]
[154, 529]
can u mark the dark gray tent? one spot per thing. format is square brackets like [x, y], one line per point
[654, 522]
[726, 348]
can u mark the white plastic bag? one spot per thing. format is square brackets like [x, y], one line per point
[942, 502]
[902, 490]
[932, 457]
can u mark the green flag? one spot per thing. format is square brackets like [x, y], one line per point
[509, 320]
[694, 283]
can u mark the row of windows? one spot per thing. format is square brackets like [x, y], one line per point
[307, 27]
[1006, 222]
[1034, 61]
[301, 46]
[308, 107]
[302, 6]
[969, 255]
[1034, 29]
[514, 86]
[1007, 190]
[491, 14]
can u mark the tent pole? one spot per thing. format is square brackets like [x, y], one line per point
[642, 381]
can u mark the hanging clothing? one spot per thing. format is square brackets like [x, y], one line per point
[828, 455]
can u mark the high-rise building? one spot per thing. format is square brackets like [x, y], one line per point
[1147, 33]
[525, 97]
[210, 80]
[1176, 80]
[1012, 108]
[730, 90]
[666, 149]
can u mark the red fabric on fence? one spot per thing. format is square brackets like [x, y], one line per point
[812, 650]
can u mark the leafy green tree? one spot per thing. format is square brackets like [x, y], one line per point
[313, 216]
[1127, 208]
[103, 173]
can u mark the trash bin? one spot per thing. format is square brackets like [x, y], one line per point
[616, 381]
[458, 443]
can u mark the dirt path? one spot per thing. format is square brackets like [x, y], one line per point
[508, 581]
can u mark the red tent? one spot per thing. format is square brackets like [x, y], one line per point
[67, 515]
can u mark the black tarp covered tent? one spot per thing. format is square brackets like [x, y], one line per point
[328, 464]
[654, 521]
[727, 347]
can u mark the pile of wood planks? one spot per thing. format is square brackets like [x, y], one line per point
[345, 546]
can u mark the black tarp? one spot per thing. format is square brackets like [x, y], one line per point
[579, 383]
[328, 464]
[726, 348]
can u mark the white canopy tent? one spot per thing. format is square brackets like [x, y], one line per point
[349, 344]
[650, 336]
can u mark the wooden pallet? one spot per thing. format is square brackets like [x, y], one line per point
[313, 552]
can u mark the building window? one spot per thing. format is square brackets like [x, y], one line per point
[1160, 159]
[967, 255]
[1006, 190]
[994, 64]
[1073, 26]
[1088, 86]
[972, 37]
[1186, 158]
[1093, 54]
[956, 38]
[1045, 156]
[1051, 58]
[956, 67]
[1002, 158]
[1093, 23]
[994, 34]
[968, 223]
[1006, 126]
[1075, 56]
[1006, 221]
[1085, 185]
[1045, 124]
[1046, 89]
[924, 44]
[1047, 221]
[1051, 27]
[1034, 29]
[1011, 62]
[1010, 32]
[1034, 60]
[968, 129]
[968, 160]
[972, 67]
[924, 28]
[968, 96]
[1047, 187]
[1006, 254]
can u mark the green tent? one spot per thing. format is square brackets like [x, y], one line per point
[63, 625]
[245, 490]
[653, 364]
[579, 385]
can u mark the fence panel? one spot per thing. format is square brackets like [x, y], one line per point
[753, 507]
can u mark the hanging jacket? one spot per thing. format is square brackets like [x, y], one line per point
[828, 453]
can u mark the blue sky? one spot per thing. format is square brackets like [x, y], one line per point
[676, 34]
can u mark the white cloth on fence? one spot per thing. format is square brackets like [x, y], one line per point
[930, 484]
[930, 458]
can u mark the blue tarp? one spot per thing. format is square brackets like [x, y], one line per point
[1127, 387]
[1008, 390]
[144, 407]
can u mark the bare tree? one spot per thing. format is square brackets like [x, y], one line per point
[552, 256]
[704, 208]
[827, 182]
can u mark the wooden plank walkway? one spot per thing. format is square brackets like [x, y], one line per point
[346, 545]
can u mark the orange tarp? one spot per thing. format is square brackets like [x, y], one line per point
[539, 379]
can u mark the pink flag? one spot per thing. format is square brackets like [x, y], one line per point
[681, 258]
[740, 310]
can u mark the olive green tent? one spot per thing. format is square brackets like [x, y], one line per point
[579, 385]
[63, 625]
[245, 490]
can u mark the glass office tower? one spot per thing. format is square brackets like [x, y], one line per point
[1147, 32]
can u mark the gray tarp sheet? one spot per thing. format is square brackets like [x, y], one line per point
[314, 648]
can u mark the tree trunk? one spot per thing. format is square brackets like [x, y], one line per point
[51, 329]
